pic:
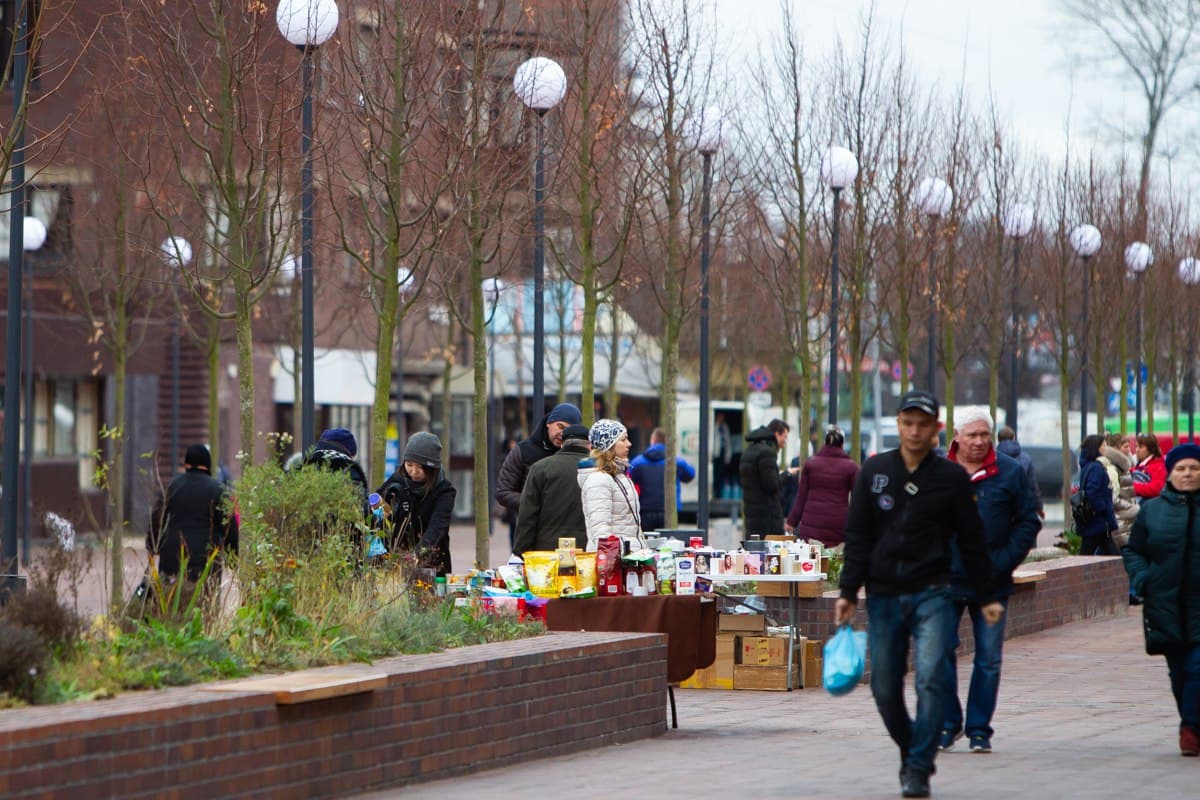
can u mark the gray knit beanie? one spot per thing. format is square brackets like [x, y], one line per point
[424, 449]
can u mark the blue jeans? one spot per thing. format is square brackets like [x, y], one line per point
[1183, 663]
[985, 677]
[925, 617]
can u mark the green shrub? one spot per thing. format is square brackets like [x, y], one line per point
[24, 657]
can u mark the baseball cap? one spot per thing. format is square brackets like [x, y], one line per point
[919, 401]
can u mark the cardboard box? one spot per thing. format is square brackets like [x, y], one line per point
[764, 651]
[813, 662]
[720, 674]
[774, 679]
[780, 589]
[748, 623]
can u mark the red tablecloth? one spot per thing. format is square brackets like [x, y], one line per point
[690, 625]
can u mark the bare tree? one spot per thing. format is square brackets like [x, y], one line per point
[1150, 42]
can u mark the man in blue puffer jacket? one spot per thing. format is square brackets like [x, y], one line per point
[646, 471]
[1010, 518]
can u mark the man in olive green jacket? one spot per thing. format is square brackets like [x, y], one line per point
[551, 506]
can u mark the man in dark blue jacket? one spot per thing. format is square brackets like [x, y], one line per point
[646, 471]
[1011, 523]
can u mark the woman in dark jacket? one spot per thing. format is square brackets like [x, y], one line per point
[422, 502]
[823, 496]
[1095, 534]
[1163, 562]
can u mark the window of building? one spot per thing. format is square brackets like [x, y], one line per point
[66, 423]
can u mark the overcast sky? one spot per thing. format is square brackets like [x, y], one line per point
[1016, 45]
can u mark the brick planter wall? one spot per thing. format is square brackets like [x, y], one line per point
[442, 714]
[1075, 588]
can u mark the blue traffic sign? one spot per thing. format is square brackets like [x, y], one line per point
[759, 379]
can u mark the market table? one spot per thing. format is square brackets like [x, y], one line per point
[689, 621]
[793, 583]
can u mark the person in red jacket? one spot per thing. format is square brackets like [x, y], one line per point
[1150, 474]
[823, 496]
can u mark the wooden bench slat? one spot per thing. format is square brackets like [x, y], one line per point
[305, 687]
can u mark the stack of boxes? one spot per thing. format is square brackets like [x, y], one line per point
[747, 658]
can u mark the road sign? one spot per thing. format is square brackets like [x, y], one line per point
[759, 379]
[759, 399]
[896, 370]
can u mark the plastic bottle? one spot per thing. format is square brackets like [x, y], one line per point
[439, 586]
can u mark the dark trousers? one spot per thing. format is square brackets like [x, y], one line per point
[1101, 545]
[924, 617]
[1183, 663]
[653, 520]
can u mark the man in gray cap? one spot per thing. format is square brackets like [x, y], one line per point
[551, 505]
[544, 441]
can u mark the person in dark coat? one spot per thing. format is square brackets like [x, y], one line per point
[1094, 535]
[189, 518]
[1007, 444]
[336, 451]
[1011, 523]
[761, 481]
[823, 494]
[646, 471]
[1163, 562]
[544, 441]
[422, 503]
[551, 504]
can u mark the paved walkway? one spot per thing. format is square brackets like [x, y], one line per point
[1084, 713]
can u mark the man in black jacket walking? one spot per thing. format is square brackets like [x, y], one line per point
[761, 480]
[908, 505]
[551, 504]
[189, 518]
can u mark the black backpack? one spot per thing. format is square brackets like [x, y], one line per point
[1082, 510]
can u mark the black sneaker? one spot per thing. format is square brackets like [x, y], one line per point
[981, 744]
[914, 783]
[948, 738]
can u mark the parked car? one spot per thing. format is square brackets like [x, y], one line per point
[1047, 464]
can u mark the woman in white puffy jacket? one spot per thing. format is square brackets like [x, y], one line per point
[610, 501]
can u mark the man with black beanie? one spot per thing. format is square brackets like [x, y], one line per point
[189, 519]
[544, 441]
[551, 503]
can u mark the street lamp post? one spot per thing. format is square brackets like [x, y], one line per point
[307, 24]
[705, 134]
[541, 84]
[1085, 241]
[492, 289]
[1189, 273]
[839, 168]
[33, 237]
[1138, 258]
[177, 253]
[934, 197]
[10, 581]
[1018, 222]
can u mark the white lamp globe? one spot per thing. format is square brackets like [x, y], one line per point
[1138, 257]
[405, 280]
[289, 268]
[34, 234]
[1189, 271]
[307, 23]
[1085, 240]
[703, 130]
[176, 251]
[540, 83]
[492, 287]
[839, 168]
[934, 197]
[1017, 220]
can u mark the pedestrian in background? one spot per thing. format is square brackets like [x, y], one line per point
[1116, 463]
[1006, 443]
[908, 507]
[190, 521]
[646, 472]
[544, 441]
[1150, 474]
[761, 480]
[1095, 534]
[422, 502]
[823, 493]
[337, 451]
[1011, 524]
[1163, 562]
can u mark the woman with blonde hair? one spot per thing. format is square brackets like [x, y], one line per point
[610, 501]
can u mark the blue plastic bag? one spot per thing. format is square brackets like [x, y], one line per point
[845, 660]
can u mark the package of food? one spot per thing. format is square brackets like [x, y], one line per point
[585, 573]
[541, 572]
[514, 578]
[567, 584]
[610, 582]
[666, 570]
[685, 576]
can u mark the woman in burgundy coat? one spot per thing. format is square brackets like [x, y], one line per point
[823, 497]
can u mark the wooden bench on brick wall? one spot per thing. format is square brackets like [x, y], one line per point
[307, 686]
